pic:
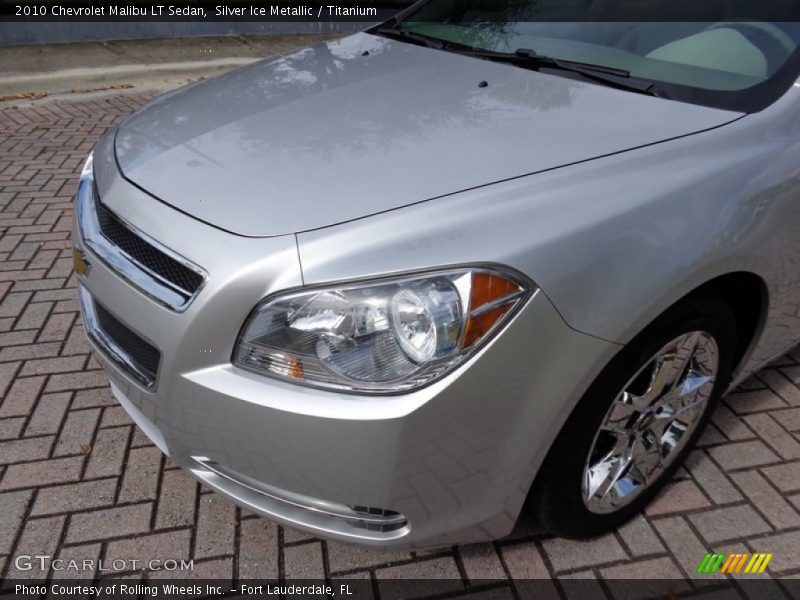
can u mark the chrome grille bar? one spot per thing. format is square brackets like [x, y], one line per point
[146, 279]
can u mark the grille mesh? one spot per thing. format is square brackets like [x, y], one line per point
[146, 254]
[145, 356]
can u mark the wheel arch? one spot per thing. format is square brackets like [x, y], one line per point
[748, 297]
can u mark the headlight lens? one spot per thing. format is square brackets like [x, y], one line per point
[379, 337]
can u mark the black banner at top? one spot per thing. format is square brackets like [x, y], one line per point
[711, 11]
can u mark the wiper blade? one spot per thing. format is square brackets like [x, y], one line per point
[618, 78]
[399, 32]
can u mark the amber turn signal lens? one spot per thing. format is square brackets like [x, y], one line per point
[487, 287]
[296, 370]
[491, 297]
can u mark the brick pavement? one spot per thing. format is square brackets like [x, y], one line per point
[79, 480]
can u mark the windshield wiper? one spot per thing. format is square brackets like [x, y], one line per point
[527, 58]
[610, 76]
[399, 32]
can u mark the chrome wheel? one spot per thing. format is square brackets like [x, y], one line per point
[650, 421]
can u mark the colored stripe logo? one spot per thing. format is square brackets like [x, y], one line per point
[720, 562]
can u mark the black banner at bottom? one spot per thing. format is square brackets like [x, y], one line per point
[375, 587]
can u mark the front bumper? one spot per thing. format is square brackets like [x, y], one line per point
[451, 462]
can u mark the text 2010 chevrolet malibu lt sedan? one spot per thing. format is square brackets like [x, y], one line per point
[388, 288]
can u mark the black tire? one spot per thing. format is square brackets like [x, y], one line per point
[556, 497]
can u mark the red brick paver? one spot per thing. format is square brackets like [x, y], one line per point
[77, 479]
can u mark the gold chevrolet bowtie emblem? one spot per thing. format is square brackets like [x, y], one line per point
[79, 262]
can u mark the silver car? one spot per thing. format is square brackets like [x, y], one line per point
[397, 288]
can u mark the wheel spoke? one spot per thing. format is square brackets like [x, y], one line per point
[668, 412]
[646, 457]
[619, 417]
[671, 365]
[606, 471]
[693, 383]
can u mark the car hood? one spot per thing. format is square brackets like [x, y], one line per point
[362, 125]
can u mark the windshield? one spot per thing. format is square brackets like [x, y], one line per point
[722, 59]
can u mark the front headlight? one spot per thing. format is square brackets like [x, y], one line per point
[383, 336]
